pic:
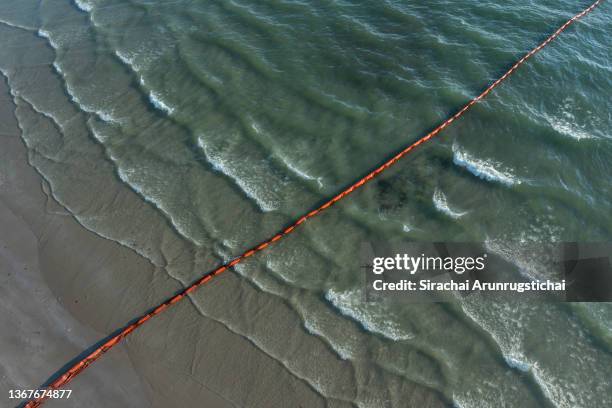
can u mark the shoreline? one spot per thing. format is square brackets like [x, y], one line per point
[40, 334]
[73, 276]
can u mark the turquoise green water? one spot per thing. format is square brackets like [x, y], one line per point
[230, 118]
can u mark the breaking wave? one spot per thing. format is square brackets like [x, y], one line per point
[242, 177]
[84, 5]
[485, 169]
[441, 204]
[373, 317]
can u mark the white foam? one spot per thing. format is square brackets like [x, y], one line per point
[441, 204]
[57, 68]
[485, 169]
[289, 164]
[565, 122]
[241, 178]
[519, 250]
[40, 111]
[597, 314]
[139, 62]
[567, 127]
[84, 5]
[505, 325]
[301, 173]
[158, 102]
[47, 36]
[344, 351]
[102, 138]
[136, 61]
[558, 362]
[518, 362]
[125, 59]
[527, 267]
[43, 33]
[558, 396]
[154, 97]
[106, 116]
[255, 128]
[130, 177]
[373, 317]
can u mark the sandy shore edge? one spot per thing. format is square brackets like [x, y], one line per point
[64, 288]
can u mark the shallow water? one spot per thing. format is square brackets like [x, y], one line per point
[230, 118]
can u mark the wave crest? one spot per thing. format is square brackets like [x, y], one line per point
[441, 204]
[372, 317]
[83, 5]
[485, 169]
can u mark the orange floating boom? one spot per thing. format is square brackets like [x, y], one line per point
[77, 368]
